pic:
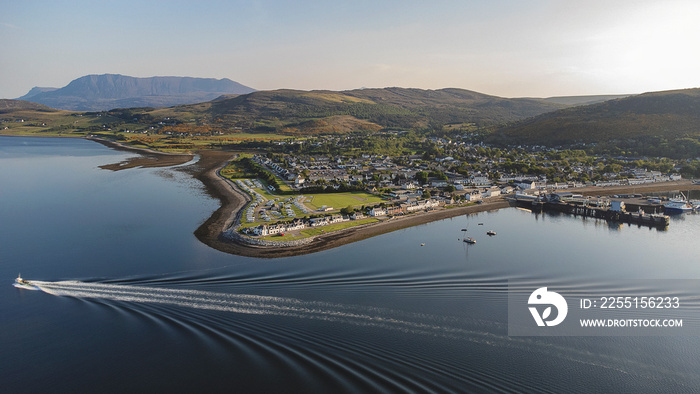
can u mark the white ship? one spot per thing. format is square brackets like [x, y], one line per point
[24, 284]
[677, 206]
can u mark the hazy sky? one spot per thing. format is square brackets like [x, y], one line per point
[502, 47]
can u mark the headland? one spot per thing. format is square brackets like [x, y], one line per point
[215, 233]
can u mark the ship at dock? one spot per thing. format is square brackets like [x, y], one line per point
[599, 208]
[679, 204]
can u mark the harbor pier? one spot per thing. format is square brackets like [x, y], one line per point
[599, 210]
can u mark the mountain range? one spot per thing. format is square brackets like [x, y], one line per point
[655, 123]
[109, 91]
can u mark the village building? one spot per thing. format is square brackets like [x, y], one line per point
[377, 211]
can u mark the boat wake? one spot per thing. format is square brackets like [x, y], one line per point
[265, 305]
[487, 335]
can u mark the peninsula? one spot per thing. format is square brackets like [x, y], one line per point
[220, 230]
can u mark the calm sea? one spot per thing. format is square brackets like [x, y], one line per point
[133, 302]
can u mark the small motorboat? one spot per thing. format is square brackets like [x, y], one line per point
[24, 284]
[470, 240]
[491, 232]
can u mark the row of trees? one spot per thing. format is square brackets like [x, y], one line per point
[259, 172]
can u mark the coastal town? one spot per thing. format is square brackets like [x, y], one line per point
[381, 186]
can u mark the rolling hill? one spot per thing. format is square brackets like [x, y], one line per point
[584, 100]
[14, 106]
[108, 91]
[661, 122]
[298, 111]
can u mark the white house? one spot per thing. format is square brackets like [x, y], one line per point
[481, 181]
[356, 216]
[376, 211]
[316, 222]
[525, 185]
[474, 195]
[492, 192]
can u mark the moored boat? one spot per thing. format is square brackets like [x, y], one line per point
[491, 232]
[677, 206]
[470, 240]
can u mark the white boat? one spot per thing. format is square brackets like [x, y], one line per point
[491, 232]
[24, 284]
[677, 206]
[470, 240]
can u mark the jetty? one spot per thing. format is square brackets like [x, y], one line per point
[613, 211]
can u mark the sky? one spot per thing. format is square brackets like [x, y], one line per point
[507, 48]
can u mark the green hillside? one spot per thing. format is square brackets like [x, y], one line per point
[17, 106]
[659, 123]
[18, 117]
[294, 111]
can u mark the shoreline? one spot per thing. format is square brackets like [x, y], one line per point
[147, 157]
[233, 200]
[212, 232]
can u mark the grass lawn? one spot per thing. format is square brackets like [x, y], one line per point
[341, 200]
[285, 237]
[309, 232]
[233, 170]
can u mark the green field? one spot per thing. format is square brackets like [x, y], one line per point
[285, 237]
[341, 200]
[309, 232]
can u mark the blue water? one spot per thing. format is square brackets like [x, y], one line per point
[134, 302]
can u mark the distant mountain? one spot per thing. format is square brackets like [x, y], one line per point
[300, 111]
[36, 90]
[108, 91]
[657, 123]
